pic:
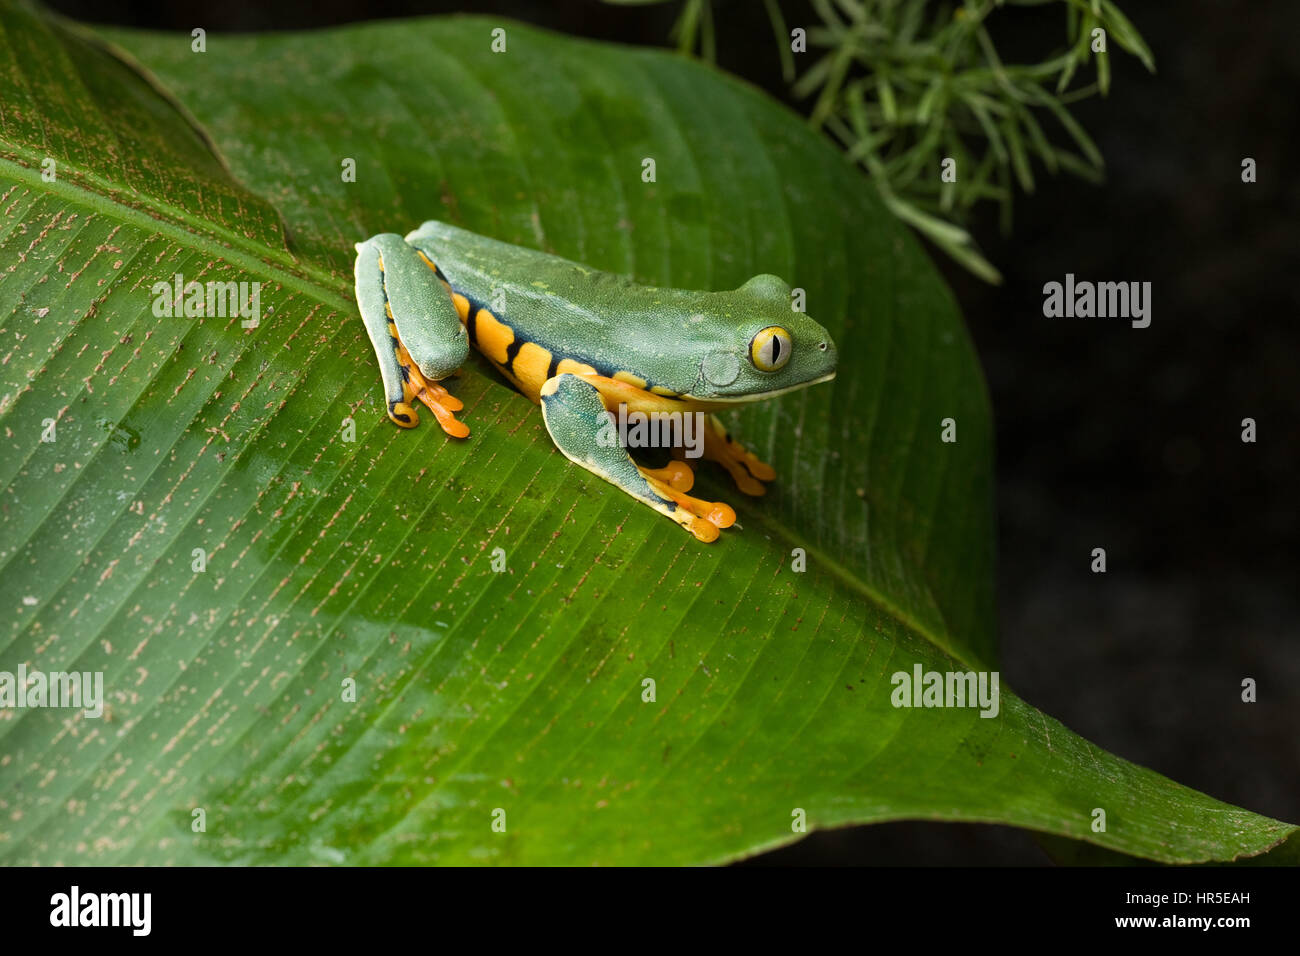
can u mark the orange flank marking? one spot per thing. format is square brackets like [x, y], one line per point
[493, 336]
[462, 305]
[574, 368]
[529, 368]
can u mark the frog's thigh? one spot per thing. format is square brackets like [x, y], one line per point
[578, 424]
[427, 321]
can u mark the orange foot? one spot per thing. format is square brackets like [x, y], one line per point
[746, 470]
[441, 402]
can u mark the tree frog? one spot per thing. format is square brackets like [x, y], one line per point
[581, 343]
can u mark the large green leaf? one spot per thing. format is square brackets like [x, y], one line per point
[370, 560]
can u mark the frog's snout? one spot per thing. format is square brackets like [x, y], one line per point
[830, 357]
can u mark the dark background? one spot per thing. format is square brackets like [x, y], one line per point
[1107, 436]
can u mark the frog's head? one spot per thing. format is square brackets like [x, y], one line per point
[772, 348]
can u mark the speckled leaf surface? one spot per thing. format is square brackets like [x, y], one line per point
[370, 561]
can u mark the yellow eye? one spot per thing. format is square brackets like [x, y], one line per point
[770, 349]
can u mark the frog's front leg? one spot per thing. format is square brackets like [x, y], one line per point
[578, 424]
[413, 326]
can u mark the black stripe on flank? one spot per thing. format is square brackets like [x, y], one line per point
[557, 355]
[471, 323]
[512, 350]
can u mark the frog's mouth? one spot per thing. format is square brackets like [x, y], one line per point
[759, 396]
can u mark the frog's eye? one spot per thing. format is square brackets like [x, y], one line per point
[770, 349]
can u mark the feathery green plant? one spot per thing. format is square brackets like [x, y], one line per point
[903, 85]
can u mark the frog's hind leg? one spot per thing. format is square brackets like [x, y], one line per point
[746, 470]
[576, 420]
[404, 304]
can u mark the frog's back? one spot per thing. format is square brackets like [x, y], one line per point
[535, 315]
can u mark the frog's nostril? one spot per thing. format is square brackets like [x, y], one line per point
[822, 346]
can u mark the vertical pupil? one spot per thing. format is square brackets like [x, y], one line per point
[776, 349]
